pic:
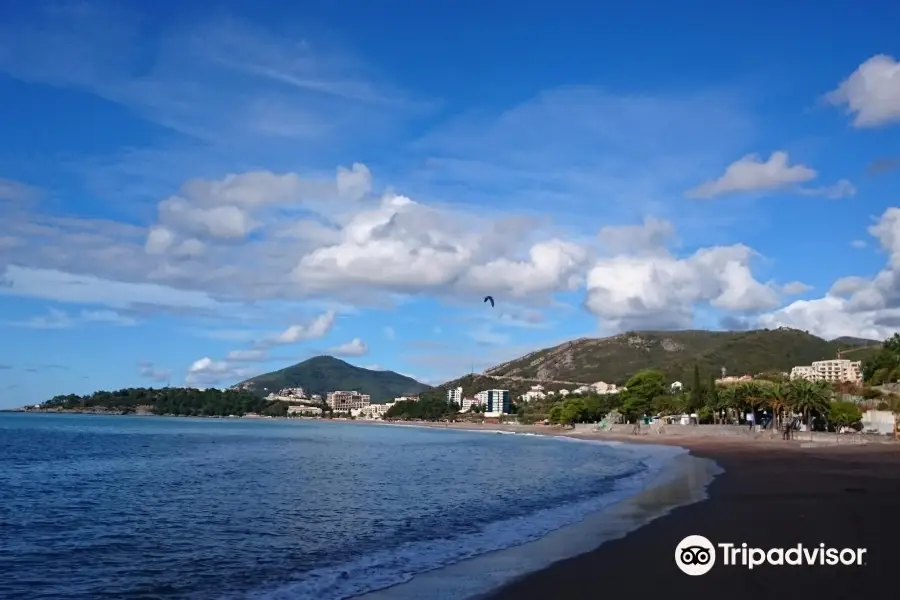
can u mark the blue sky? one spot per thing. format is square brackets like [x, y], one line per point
[199, 192]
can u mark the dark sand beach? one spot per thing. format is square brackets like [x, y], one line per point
[773, 494]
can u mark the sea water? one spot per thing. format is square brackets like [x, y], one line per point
[95, 507]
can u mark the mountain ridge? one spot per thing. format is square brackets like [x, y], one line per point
[615, 358]
[323, 374]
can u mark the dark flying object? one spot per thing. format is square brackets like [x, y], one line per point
[491, 299]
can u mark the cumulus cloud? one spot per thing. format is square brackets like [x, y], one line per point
[871, 93]
[662, 291]
[209, 372]
[854, 306]
[355, 347]
[752, 174]
[406, 247]
[312, 330]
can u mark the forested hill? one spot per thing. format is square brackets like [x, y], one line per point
[169, 401]
[324, 374]
[615, 359]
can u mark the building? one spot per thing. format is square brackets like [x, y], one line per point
[535, 393]
[603, 388]
[732, 379]
[372, 411]
[455, 396]
[467, 403]
[300, 409]
[496, 402]
[832, 371]
[345, 401]
[804, 373]
[676, 387]
[406, 399]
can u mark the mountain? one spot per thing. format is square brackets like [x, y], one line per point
[614, 359]
[855, 342]
[323, 374]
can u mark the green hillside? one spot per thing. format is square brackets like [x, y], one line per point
[615, 359]
[323, 374]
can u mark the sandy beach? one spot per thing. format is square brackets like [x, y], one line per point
[773, 494]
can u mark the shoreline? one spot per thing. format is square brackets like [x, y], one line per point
[676, 479]
[770, 494]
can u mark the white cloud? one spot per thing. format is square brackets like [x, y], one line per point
[355, 347]
[403, 246]
[14, 191]
[651, 236]
[148, 370]
[50, 284]
[751, 174]
[859, 243]
[841, 189]
[871, 93]
[354, 183]
[854, 306]
[206, 372]
[795, 287]
[315, 329]
[389, 333]
[59, 319]
[662, 291]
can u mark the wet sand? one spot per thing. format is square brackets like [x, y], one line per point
[772, 494]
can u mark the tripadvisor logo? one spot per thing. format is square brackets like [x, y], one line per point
[696, 555]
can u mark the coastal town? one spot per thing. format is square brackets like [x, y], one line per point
[493, 404]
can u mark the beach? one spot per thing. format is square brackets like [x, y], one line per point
[772, 494]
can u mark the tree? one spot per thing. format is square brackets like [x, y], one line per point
[711, 398]
[752, 395]
[642, 389]
[808, 398]
[696, 397]
[778, 397]
[844, 414]
[572, 411]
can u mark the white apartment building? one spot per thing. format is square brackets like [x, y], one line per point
[344, 401]
[603, 388]
[535, 393]
[455, 395]
[832, 371]
[467, 403]
[300, 409]
[372, 411]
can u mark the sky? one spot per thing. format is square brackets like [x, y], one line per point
[195, 193]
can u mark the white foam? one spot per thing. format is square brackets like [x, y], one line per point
[386, 570]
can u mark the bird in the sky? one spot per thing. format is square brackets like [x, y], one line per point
[489, 299]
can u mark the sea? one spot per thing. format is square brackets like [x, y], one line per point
[134, 507]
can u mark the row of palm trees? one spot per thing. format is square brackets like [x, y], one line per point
[783, 399]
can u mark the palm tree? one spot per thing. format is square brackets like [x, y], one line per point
[752, 394]
[778, 400]
[726, 398]
[808, 398]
